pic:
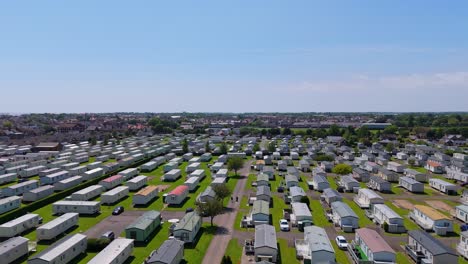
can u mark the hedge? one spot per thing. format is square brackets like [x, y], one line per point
[60, 195]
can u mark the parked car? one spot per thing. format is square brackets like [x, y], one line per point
[118, 210]
[284, 225]
[280, 189]
[108, 235]
[341, 242]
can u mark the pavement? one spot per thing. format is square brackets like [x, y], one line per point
[225, 222]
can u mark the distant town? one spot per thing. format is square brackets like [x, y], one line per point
[234, 188]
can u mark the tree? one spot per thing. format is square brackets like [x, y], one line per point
[342, 169]
[271, 147]
[286, 131]
[211, 208]
[106, 140]
[389, 147]
[207, 146]
[256, 148]
[235, 164]
[411, 162]
[185, 148]
[334, 131]
[93, 141]
[226, 260]
[223, 148]
[7, 124]
[222, 191]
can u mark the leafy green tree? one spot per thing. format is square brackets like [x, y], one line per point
[223, 148]
[210, 208]
[334, 130]
[7, 124]
[185, 147]
[222, 191]
[271, 147]
[286, 131]
[207, 146]
[389, 147]
[342, 169]
[93, 141]
[256, 148]
[235, 164]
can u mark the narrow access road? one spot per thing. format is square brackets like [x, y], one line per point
[225, 222]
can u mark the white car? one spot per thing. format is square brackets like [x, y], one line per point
[284, 225]
[341, 242]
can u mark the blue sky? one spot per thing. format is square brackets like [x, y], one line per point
[233, 56]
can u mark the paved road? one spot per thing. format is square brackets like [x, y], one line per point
[225, 222]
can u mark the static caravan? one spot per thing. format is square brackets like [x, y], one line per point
[430, 219]
[143, 226]
[87, 193]
[301, 215]
[81, 207]
[170, 166]
[291, 181]
[9, 177]
[187, 156]
[129, 173]
[295, 194]
[260, 213]
[69, 166]
[159, 160]
[343, 216]
[149, 166]
[111, 182]
[111, 166]
[373, 246]
[217, 166]
[361, 175]
[137, 183]
[57, 226]
[178, 195]
[461, 212]
[265, 244]
[348, 183]
[206, 157]
[424, 248]
[221, 173]
[443, 186]
[20, 188]
[48, 172]
[80, 158]
[54, 177]
[395, 166]
[117, 252]
[198, 173]
[19, 225]
[188, 227]
[330, 195]
[38, 193]
[411, 185]
[114, 195]
[9, 203]
[379, 184]
[263, 193]
[94, 173]
[365, 198]
[387, 218]
[192, 167]
[320, 250]
[170, 252]
[16, 169]
[320, 182]
[416, 175]
[192, 183]
[262, 180]
[282, 165]
[172, 175]
[207, 195]
[62, 251]
[387, 175]
[194, 160]
[145, 195]
[13, 249]
[103, 158]
[57, 164]
[77, 170]
[29, 172]
[68, 183]
[178, 161]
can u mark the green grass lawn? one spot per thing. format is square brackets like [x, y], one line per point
[91, 160]
[287, 254]
[402, 258]
[420, 169]
[397, 190]
[363, 220]
[234, 250]
[318, 214]
[410, 225]
[340, 255]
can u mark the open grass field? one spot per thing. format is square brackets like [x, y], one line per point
[287, 254]
[234, 250]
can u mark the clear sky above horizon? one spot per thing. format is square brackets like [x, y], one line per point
[233, 56]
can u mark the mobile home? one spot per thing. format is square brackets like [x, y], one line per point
[443, 186]
[178, 195]
[38, 193]
[197, 173]
[424, 248]
[221, 173]
[329, 196]
[54, 177]
[57, 226]
[188, 227]
[373, 246]
[170, 252]
[344, 217]
[62, 251]
[92, 174]
[379, 184]
[20, 188]
[137, 183]
[172, 175]
[111, 182]
[19, 225]
[192, 167]
[81, 207]
[387, 218]
[87, 193]
[416, 175]
[143, 226]
[9, 177]
[68, 183]
[265, 243]
[9, 203]
[117, 252]
[430, 219]
[29, 172]
[129, 173]
[395, 166]
[348, 183]
[411, 185]
[114, 195]
[366, 197]
[192, 183]
[13, 249]
[320, 183]
[207, 195]
[145, 195]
